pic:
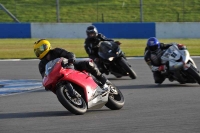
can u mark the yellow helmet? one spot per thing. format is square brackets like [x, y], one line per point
[41, 48]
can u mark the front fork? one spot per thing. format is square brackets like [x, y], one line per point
[123, 55]
[176, 67]
[72, 92]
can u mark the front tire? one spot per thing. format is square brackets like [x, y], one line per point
[127, 68]
[74, 105]
[194, 73]
[115, 101]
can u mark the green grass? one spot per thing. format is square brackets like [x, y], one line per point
[81, 11]
[23, 48]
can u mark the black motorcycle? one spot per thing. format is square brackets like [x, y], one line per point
[114, 61]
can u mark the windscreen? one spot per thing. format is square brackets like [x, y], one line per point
[171, 53]
[50, 65]
[108, 49]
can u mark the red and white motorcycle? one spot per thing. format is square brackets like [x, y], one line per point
[77, 91]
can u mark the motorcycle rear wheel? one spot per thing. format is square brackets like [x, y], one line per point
[127, 68]
[194, 73]
[115, 102]
[69, 104]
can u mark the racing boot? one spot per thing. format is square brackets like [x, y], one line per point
[105, 87]
[112, 89]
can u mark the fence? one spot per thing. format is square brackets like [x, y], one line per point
[84, 11]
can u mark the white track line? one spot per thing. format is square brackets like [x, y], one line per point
[11, 94]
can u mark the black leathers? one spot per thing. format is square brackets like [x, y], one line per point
[92, 45]
[88, 66]
[153, 58]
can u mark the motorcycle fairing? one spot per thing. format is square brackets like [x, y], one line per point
[187, 58]
[55, 73]
[83, 80]
[171, 54]
[52, 73]
[93, 93]
[177, 58]
[109, 49]
[99, 99]
[178, 61]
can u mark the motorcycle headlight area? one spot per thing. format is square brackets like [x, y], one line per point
[111, 58]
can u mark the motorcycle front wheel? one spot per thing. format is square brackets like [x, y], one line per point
[74, 105]
[124, 64]
[194, 73]
[115, 101]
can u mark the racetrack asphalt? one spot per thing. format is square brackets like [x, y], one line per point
[168, 108]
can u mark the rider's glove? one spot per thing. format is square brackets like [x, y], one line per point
[158, 68]
[96, 60]
[117, 42]
[154, 68]
[181, 46]
[71, 61]
[67, 62]
[162, 68]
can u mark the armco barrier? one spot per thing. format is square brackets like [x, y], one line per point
[126, 30]
[15, 30]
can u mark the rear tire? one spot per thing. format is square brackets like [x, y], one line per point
[194, 73]
[127, 68]
[115, 102]
[67, 102]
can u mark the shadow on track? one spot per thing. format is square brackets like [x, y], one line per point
[153, 86]
[23, 115]
[120, 78]
[34, 114]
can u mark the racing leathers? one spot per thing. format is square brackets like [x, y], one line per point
[153, 60]
[92, 45]
[88, 66]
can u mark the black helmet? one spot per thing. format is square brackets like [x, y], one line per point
[91, 32]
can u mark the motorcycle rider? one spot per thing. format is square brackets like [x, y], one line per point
[91, 44]
[43, 50]
[153, 52]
